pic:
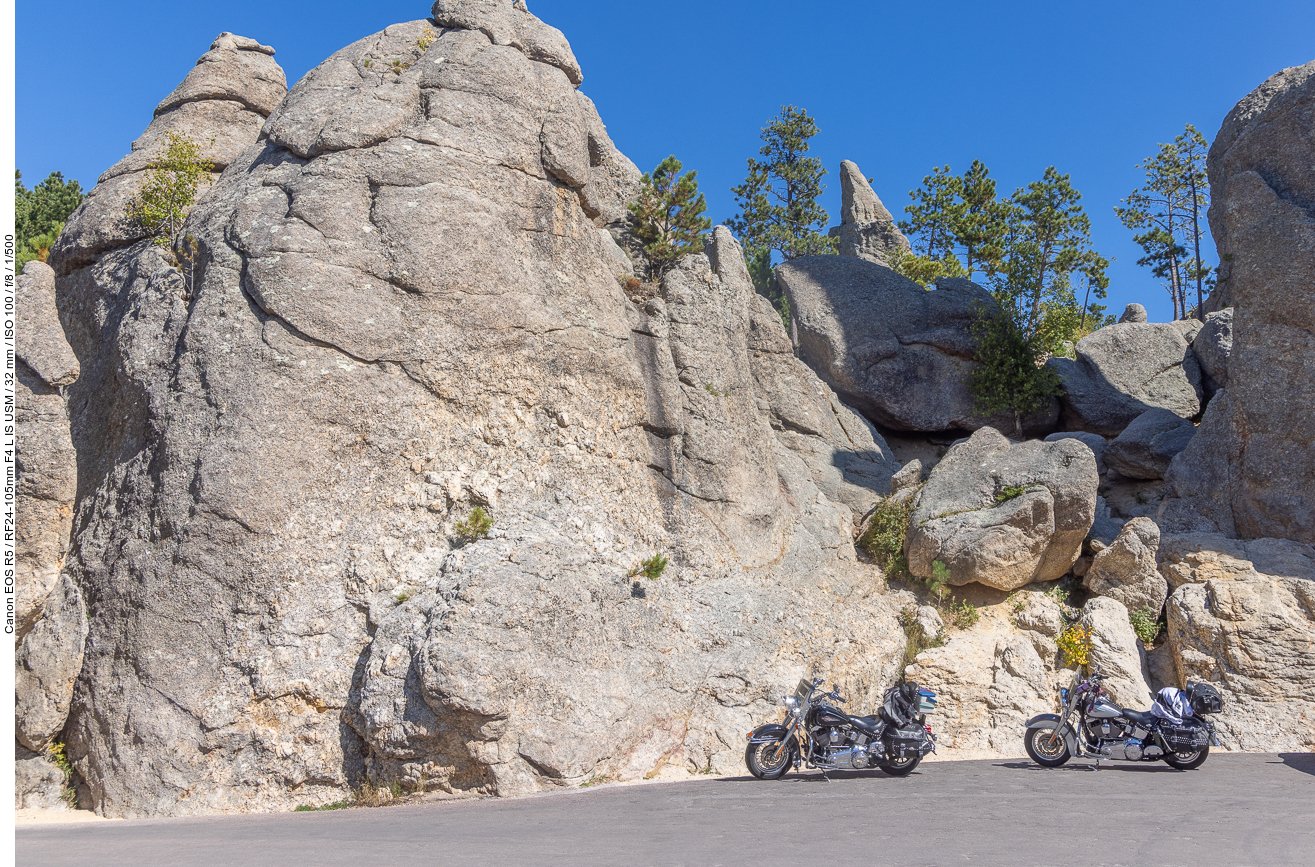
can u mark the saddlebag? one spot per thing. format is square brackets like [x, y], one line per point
[1185, 738]
[1204, 698]
[904, 740]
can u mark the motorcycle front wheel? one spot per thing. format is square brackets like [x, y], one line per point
[1047, 747]
[769, 761]
[900, 767]
[1186, 761]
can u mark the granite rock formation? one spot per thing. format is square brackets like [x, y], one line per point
[1004, 514]
[1121, 371]
[867, 230]
[1250, 471]
[408, 307]
[1149, 443]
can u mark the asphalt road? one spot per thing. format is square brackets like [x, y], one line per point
[1240, 809]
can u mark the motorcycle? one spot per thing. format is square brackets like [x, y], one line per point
[817, 733]
[1089, 724]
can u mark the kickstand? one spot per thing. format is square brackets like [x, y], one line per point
[1096, 767]
[825, 777]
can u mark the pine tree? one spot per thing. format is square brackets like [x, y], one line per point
[40, 214]
[778, 199]
[1169, 209]
[169, 189]
[953, 217]
[669, 216]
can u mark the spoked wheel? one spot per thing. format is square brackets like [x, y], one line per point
[1189, 759]
[901, 767]
[1047, 747]
[769, 761]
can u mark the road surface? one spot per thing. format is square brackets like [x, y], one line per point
[1238, 809]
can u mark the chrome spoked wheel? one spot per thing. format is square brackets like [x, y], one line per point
[769, 761]
[1046, 747]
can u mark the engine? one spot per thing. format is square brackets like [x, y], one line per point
[842, 748]
[1119, 738]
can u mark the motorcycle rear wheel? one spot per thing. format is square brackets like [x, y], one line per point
[769, 761]
[900, 767]
[1188, 761]
[1046, 747]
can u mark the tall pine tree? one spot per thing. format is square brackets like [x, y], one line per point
[668, 216]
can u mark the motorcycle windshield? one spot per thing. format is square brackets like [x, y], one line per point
[802, 690]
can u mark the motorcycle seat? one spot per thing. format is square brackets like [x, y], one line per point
[869, 724]
[1142, 718]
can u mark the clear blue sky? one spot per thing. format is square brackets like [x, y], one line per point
[898, 87]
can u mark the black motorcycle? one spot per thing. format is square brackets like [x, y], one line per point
[1089, 724]
[820, 735]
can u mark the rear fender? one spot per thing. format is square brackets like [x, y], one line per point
[1051, 721]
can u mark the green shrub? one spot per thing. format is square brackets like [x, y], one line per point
[883, 540]
[917, 640]
[1146, 623]
[1075, 644]
[961, 614]
[1009, 492]
[476, 526]
[652, 568]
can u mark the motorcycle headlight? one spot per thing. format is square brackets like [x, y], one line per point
[790, 702]
[1063, 695]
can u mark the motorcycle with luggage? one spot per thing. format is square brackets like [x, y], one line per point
[1174, 730]
[816, 733]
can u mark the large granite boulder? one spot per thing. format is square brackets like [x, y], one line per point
[1250, 471]
[49, 625]
[1117, 652]
[1097, 443]
[867, 230]
[899, 354]
[1242, 617]
[1004, 514]
[221, 105]
[1127, 570]
[47, 471]
[1149, 443]
[1121, 371]
[408, 308]
[1212, 345]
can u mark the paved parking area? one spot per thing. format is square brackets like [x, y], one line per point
[1237, 809]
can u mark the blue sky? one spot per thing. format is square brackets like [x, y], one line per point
[898, 87]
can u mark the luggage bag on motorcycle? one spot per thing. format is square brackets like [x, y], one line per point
[1204, 698]
[1184, 738]
[904, 740]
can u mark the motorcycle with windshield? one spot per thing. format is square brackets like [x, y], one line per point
[1089, 724]
[818, 734]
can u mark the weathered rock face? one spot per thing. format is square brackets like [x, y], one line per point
[46, 461]
[221, 105]
[1133, 313]
[1212, 345]
[1145, 448]
[1243, 618]
[866, 230]
[1097, 443]
[1117, 652]
[38, 783]
[1127, 571]
[1123, 370]
[408, 308]
[990, 680]
[48, 660]
[1250, 471]
[971, 516]
[899, 354]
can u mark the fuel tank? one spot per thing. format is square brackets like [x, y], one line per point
[1103, 709]
[827, 716]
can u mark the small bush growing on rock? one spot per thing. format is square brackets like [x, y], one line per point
[427, 37]
[476, 526]
[1075, 645]
[961, 614]
[918, 641]
[883, 540]
[1009, 492]
[59, 758]
[652, 568]
[1146, 623]
[169, 189]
